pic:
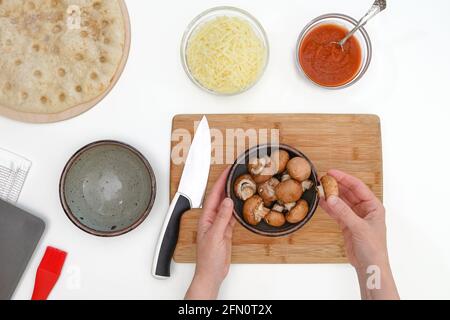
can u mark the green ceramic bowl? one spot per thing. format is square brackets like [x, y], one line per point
[107, 188]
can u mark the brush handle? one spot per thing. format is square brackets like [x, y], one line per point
[48, 273]
[43, 286]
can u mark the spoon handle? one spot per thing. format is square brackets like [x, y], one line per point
[377, 7]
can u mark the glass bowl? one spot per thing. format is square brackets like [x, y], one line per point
[349, 23]
[209, 15]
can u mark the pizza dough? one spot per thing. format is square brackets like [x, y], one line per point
[57, 54]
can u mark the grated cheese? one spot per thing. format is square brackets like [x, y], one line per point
[225, 55]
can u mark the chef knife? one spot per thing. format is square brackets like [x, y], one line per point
[189, 195]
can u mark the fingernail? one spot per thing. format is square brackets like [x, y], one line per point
[333, 200]
[228, 203]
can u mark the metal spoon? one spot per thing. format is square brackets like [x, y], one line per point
[377, 7]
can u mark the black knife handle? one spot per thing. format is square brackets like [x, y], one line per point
[169, 236]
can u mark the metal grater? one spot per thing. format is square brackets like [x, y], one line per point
[13, 173]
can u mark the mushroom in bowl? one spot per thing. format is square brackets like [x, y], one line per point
[282, 190]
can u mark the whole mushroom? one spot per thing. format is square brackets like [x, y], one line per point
[267, 191]
[289, 191]
[298, 213]
[275, 219]
[245, 187]
[329, 187]
[299, 169]
[254, 210]
[280, 159]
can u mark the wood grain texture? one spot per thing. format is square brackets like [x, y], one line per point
[351, 143]
[86, 106]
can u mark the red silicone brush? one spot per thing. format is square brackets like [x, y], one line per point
[48, 273]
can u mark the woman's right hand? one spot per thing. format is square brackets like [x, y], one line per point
[361, 216]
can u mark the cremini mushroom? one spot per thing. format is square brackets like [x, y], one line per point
[245, 187]
[289, 191]
[267, 191]
[275, 219]
[299, 169]
[254, 210]
[329, 187]
[261, 169]
[298, 213]
[257, 165]
[280, 159]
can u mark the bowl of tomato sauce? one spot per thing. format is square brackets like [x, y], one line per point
[326, 63]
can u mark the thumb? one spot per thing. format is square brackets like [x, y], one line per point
[223, 217]
[340, 211]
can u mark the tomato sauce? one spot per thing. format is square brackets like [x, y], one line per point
[324, 62]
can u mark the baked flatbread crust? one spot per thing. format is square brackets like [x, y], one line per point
[57, 54]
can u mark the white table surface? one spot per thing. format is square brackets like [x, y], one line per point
[407, 85]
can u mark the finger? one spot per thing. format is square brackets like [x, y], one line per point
[233, 222]
[361, 207]
[326, 208]
[358, 188]
[223, 218]
[215, 197]
[230, 228]
[347, 195]
[323, 204]
[340, 211]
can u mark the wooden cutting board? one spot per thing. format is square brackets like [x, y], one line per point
[351, 143]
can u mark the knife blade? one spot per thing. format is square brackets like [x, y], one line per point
[189, 195]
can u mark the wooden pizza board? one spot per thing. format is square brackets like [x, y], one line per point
[86, 106]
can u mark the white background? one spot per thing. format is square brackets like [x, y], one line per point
[407, 85]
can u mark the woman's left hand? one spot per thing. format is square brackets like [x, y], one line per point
[215, 232]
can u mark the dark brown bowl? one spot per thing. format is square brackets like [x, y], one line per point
[240, 168]
[107, 188]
